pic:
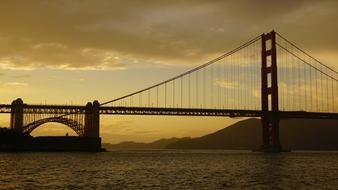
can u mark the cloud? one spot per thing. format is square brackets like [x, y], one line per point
[21, 76]
[13, 88]
[226, 84]
[91, 34]
[16, 84]
[58, 56]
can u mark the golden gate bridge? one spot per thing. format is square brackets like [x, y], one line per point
[267, 77]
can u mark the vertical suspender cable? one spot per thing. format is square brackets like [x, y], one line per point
[173, 93]
[182, 92]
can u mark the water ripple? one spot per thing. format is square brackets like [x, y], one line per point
[169, 169]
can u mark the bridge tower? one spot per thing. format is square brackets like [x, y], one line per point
[16, 122]
[92, 119]
[269, 94]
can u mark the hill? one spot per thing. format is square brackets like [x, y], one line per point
[159, 144]
[297, 134]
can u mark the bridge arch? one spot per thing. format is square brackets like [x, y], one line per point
[74, 125]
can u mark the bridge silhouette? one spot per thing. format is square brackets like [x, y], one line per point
[267, 77]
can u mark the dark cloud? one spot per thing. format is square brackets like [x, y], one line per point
[111, 34]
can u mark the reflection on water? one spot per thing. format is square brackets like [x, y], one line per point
[169, 169]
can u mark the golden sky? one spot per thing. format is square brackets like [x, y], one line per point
[72, 52]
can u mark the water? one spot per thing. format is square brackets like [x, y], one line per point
[169, 169]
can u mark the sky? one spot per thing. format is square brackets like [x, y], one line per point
[72, 52]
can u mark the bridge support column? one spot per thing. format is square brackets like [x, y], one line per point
[270, 110]
[16, 122]
[96, 119]
[92, 120]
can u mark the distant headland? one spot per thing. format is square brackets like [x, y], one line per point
[296, 134]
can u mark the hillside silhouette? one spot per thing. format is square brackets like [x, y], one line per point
[297, 134]
[159, 144]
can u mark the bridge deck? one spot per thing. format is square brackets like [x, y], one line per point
[110, 110]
